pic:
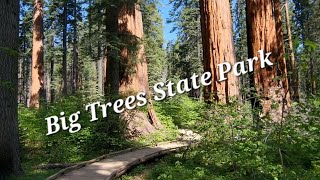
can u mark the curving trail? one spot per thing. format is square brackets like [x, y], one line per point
[113, 166]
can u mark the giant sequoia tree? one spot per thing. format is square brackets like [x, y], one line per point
[134, 66]
[265, 33]
[218, 47]
[9, 42]
[127, 69]
[37, 80]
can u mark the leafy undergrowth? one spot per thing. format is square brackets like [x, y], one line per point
[183, 111]
[94, 139]
[234, 148]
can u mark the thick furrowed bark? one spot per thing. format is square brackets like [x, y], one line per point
[265, 33]
[218, 48]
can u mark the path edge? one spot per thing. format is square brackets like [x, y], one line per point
[122, 170]
[144, 159]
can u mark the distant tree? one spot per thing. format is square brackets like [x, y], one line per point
[306, 18]
[153, 40]
[65, 48]
[26, 14]
[187, 48]
[37, 80]
[240, 39]
[9, 43]
[294, 80]
[75, 63]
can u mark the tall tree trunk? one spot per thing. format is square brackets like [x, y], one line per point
[37, 79]
[75, 69]
[27, 81]
[9, 137]
[52, 64]
[131, 28]
[218, 47]
[90, 26]
[105, 63]
[24, 72]
[20, 81]
[64, 44]
[282, 64]
[113, 76]
[100, 68]
[264, 33]
[99, 63]
[295, 84]
[312, 77]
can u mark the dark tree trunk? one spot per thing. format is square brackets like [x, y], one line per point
[52, 64]
[113, 67]
[9, 138]
[64, 44]
[75, 74]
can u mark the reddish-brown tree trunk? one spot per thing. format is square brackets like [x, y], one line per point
[37, 81]
[218, 47]
[282, 64]
[134, 66]
[265, 33]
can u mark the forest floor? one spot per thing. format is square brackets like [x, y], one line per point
[231, 146]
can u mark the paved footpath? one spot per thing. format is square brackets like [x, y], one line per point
[115, 166]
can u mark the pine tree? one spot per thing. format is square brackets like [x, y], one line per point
[26, 9]
[294, 83]
[75, 65]
[306, 20]
[240, 39]
[186, 18]
[153, 40]
[65, 48]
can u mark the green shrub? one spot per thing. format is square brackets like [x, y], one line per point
[233, 148]
[181, 110]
